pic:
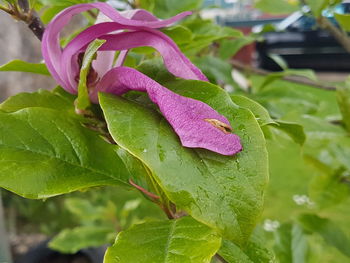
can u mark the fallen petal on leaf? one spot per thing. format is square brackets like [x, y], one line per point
[188, 117]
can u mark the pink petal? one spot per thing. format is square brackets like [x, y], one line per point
[51, 49]
[104, 60]
[140, 14]
[191, 119]
[176, 62]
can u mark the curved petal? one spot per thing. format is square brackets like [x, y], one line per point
[140, 14]
[176, 62]
[197, 124]
[104, 59]
[51, 49]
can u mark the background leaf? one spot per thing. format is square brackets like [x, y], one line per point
[343, 97]
[22, 66]
[71, 241]
[330, 232]
[254, 251]
[291, 244]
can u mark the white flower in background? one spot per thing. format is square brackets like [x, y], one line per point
[271, 225]
[303, 200]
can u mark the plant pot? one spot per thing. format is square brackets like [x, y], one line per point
[43, 254]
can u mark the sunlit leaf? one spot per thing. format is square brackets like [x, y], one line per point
[180, 240]
[203, 183]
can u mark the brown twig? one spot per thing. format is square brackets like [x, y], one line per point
[252, 70]
[338, 34]
[220, 258]
[92, 14]
[143, 190]
[22, 12]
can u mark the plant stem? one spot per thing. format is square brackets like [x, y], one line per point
[143, 190]
[220, 258]
[251, 70]
[22, 12]
[37, 27]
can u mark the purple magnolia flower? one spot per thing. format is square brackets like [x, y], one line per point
[197, 124]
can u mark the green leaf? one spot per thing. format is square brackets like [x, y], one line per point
[317, 6]
[225, 192]
[70, 241]
[282, 97]
[279, 61]
[305, 73]
[83, 100]
[57, 99]
[217, 70]
[229, 47]
[330, 232]
[343, 20]
[155, 69]
[168, 8]
[291, 244]
[179, 34]
[261, 114]
[277, 6]
[46, 152]
[50, 12]
[254, 251]
[343, 97]
[83, 209]
[23, 66]
[327, 189]
[182, 240]
[294, 130]
[205, 33]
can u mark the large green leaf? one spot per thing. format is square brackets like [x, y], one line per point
[225, 192]
[46, 152]
[173, 241]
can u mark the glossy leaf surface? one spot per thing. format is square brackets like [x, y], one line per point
[176, 241]
[46, 153]
[223, 192]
